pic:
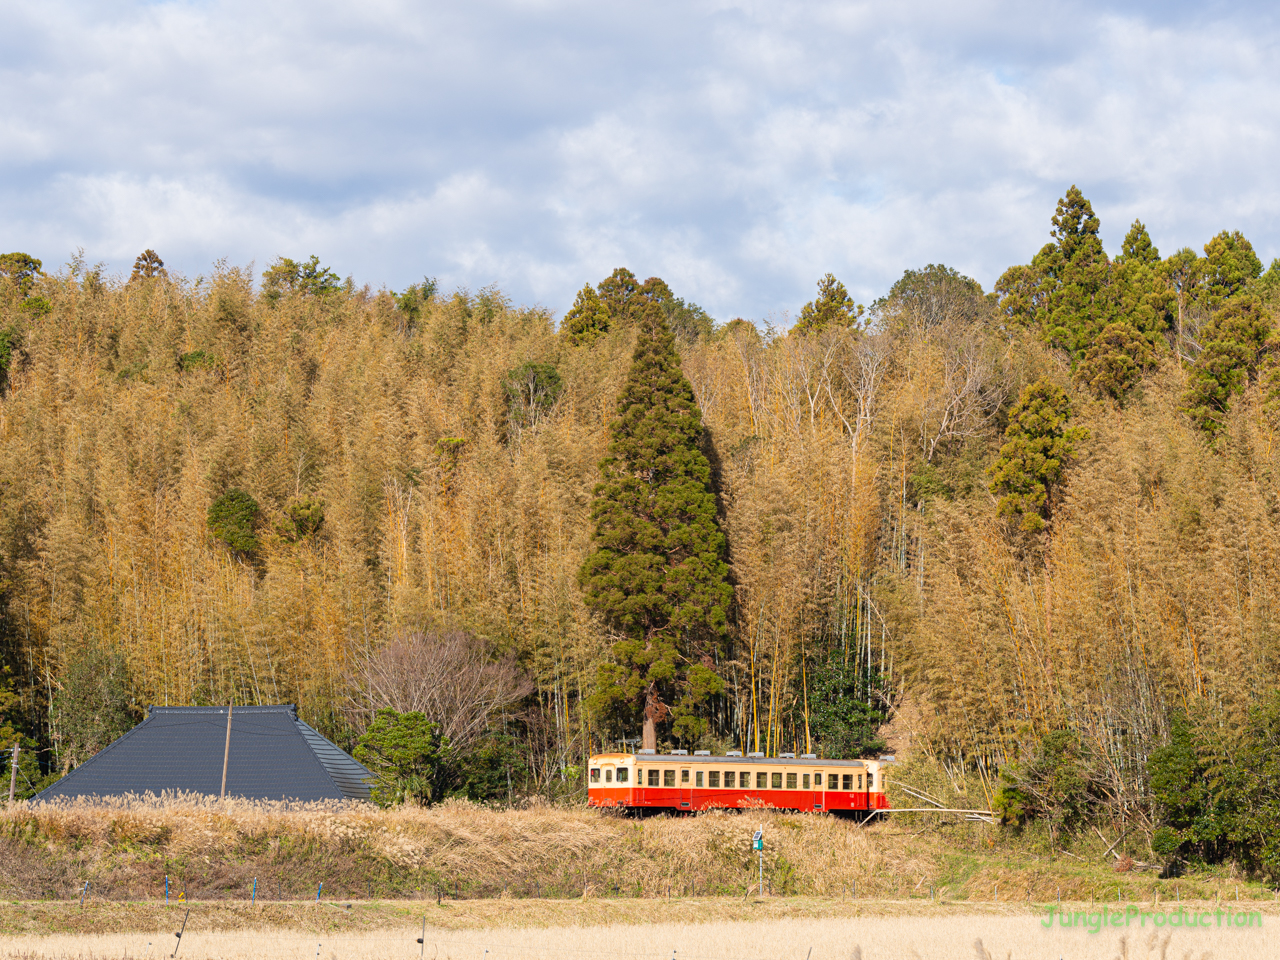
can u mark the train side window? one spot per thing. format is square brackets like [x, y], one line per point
[713, 778]
[791, 781]
[684, 776]
[871, 780]
[848, 781]
[622, 774]
[699, 779]
[653, 778]
[777, 781]
[608, 775]
[806, 781]
[762, 780]
[668, 778]
[833, 781]
[744, 780]
[595, 774]
[817, 781]
[728, 779]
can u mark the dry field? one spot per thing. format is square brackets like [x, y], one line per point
[710, 930]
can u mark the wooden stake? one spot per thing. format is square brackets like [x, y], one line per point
[226, 753]
[13, 773]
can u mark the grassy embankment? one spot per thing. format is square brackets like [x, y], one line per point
[212, 851]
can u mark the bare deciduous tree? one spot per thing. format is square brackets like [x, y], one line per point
[450, 677]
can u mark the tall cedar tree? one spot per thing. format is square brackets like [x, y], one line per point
[657, 574]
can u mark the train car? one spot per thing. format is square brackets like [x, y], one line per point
[682, 783]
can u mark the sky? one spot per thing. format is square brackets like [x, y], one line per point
[739, 150]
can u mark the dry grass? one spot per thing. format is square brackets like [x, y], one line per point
[213, 850]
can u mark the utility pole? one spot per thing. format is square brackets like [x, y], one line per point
[226, 753]
[13, 773]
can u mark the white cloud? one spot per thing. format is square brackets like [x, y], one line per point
[740, 150]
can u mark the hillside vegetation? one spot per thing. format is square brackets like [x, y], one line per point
[1034, 530]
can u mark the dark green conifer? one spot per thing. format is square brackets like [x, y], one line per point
[1237, 338]
[1079, 308]
[1137, 246]
[1073, 293]
[587, 320]
[657, 573]
[1229, 264]
[624, 297]
[1038, 444]
[1114, 363]
[833, 307]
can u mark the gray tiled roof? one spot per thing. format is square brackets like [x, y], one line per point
[274, 756]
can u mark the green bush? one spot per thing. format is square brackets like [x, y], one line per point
[845, 709]
[302, 519]
[408, 754]
[197, 360]
[232, 518]
[1052, 785]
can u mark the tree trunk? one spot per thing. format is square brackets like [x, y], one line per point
[651, 708]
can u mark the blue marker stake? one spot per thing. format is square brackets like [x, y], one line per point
[255, 890]
[166, 889]
[318, 889]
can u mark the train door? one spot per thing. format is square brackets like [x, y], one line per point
[686, 789]
[817, 795]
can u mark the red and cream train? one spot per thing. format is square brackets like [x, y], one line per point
[678, 782]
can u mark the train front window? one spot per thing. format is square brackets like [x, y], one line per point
[668, 778]
[653, 778]
[623, 773]
[713, 778]
[871, 779]
[848, 782]
[791, 781]
[859, 781]
[776, 781]
[608, 775]
[806, 781]
[684, 776]
[595, 774]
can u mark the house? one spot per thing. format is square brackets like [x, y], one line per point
[270, 755]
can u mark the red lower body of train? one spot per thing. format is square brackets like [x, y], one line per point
[693, 800]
